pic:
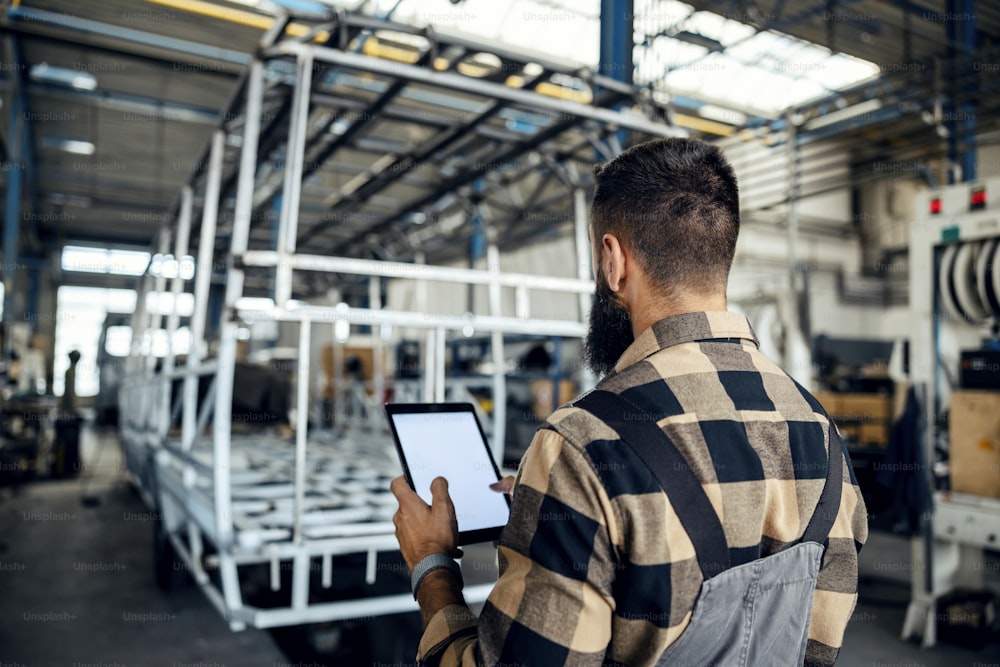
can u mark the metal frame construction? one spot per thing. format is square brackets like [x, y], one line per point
[277, 131]
[956, 526]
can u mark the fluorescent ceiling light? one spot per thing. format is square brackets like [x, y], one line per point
[61, 199]
[74, 146]
[841, 115]
[722, 115]
[45, 73]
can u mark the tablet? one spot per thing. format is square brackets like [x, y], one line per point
[446, 440]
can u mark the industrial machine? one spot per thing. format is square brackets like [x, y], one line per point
[955, 303]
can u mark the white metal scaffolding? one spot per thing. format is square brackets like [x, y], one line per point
[228, 500]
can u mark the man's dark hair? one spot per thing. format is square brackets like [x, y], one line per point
[675, 204]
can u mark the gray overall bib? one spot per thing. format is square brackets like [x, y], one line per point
[752, 615]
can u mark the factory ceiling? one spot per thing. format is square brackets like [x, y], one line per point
[120, 97]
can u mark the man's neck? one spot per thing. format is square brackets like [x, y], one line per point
[649, 313]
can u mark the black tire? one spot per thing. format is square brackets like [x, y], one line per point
[169, 570]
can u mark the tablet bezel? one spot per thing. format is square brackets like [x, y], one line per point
[468, 536]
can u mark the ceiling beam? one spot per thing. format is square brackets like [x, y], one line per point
[42, 23]
[147, 108]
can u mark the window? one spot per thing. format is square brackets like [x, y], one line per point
[104, 260]
[118, 341]
[80, 313]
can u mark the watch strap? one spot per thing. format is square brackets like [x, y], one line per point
[430, 563]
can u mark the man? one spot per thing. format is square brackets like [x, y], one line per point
[595, 566]
[67, 405]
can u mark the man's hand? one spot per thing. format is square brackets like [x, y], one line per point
[505, 485]
[424, 529]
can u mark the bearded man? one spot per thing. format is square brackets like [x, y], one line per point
[601, 563]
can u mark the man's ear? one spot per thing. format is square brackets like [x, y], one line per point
[614, 261]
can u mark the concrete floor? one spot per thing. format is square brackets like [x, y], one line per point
[78, 583]
[76, 588]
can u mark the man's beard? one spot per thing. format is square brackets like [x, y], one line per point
[610, 331]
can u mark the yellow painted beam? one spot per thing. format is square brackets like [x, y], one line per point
[374, 47]
[237, 16]
[212, 10]
[703, 125]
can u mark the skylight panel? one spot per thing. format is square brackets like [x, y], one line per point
[719, 28]
[762, 73]
[673, 54]
[842, 70]
[776, 71]
[763, 44]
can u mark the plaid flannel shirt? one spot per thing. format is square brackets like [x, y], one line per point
[596, 568]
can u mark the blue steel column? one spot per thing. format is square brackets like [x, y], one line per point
[961, 31]
[616, 60]
[35, 267]
[18, 136]
[616, 40]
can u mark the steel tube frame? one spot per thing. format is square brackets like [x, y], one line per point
[378, 348]
[203, 277]
[181, 243]
[288, 221]
[181, 247]
[221, 423]
[211, 513]
[497, 353]
[339, 390]
[301, 427]
[177, 374]
[440, 358]
[193, 420]
[415, 271]
[151, 409]
[366, 316]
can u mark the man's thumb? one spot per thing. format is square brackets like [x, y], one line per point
[439, 490]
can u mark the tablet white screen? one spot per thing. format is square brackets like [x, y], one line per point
[449, 445]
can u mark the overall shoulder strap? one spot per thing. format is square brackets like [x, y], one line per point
[829, 501]
[639, 430]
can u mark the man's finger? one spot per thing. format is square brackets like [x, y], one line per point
[402, 490]
[439, 492]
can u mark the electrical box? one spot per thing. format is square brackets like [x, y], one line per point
[979, 369]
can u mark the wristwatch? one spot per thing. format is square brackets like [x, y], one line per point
[430, 563]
